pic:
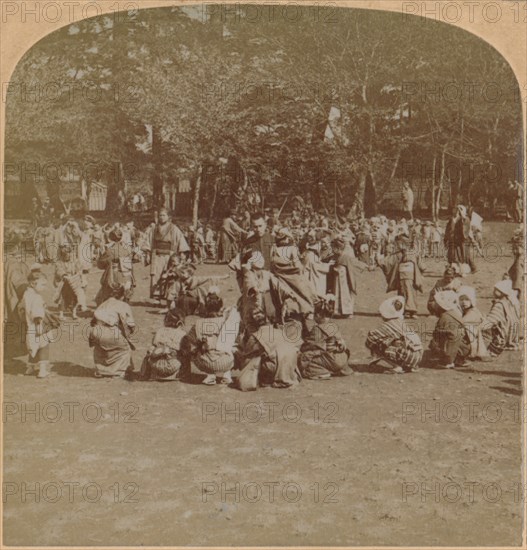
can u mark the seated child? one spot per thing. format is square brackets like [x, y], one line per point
[323, 353]
[162, 360]
[210, 343]
[450, 341]
[394, 345]
[472, 319]
[502, 325]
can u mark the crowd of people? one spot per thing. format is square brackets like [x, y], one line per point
[295, 274]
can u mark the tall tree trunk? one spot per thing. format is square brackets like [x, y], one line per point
[157, 177]
[214, 198]
[435, 216]
[195, 202]
[441, 182]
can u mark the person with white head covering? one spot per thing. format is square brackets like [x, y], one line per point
[394, 345]
[450, 280]
[502, 326]
[449, 341]
[472, 319]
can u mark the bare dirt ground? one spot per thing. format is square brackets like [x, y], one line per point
[350, 461]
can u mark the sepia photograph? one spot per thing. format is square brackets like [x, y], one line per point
[263, 274]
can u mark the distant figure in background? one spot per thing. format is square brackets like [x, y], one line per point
[408, 200]
[457, 233]
[516, 270]
[229, 235]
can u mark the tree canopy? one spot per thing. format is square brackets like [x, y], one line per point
[353, 98]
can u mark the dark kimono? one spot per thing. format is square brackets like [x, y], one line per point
[450, 340]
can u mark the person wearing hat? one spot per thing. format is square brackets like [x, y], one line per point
[116, 261]
[393, 345]
[472, 319]
[450, 342]
[450, 280]
[110, 334]
[70, 283]
[162, 361]
[324, 352]
[502, 326]
[162, 240]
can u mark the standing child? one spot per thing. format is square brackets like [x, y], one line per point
[210, 243]
[403, 274]
[426, 237]
[70, 282]
[436, 238]
[39, 324]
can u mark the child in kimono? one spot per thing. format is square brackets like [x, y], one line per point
[435, 239]
[162, 361]
[193, 289]
[403, 274]
[515, 272]
[110, 335]
[342, 279]
[502, 326]
[393, 345]
[267, 358]
[324, 352]
[169, 286]
[210, 243]
[426, 237]
[211, 342]
[450, 342]
[39, 325]
[472, 319]
[70, 282]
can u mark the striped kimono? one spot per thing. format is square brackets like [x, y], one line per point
[394, 343]
[502, 326]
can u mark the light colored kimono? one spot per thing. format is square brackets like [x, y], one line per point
[33, 307]
[473, 319]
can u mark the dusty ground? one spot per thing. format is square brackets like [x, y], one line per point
[351, 461]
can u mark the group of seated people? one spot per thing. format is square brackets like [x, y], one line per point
[225, 349]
